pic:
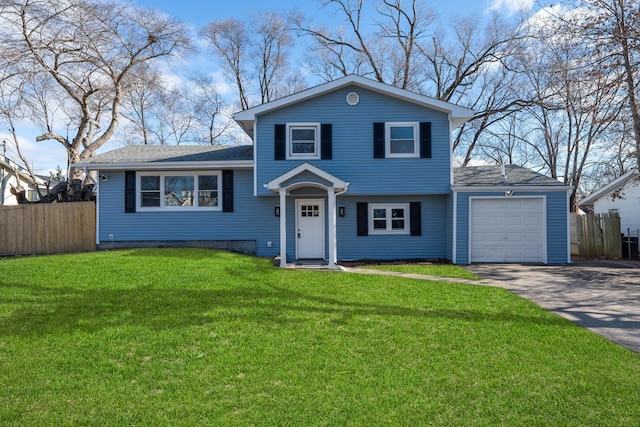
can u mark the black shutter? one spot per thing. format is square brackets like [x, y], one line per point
[378, 141]
[362, 212]
[425, 140]
[129, 192]
[415, 218]
[326, 141]
[279, 142]
[227, 191]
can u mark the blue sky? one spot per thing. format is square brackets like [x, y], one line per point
[199, 13]
[45, 156]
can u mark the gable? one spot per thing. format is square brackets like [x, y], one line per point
[457, 114]
[608, 190]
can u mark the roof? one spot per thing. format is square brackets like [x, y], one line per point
[457, 114]
[491, 176]
[614, 185]
[170, 157]
[8, 164]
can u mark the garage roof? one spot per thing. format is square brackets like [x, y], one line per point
[492, 175]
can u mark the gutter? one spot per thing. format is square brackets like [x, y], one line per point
[241, 164]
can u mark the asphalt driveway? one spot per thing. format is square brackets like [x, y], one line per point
[603, 296]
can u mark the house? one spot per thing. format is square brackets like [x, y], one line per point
[622, 195]
[350, 169]
[11, 174]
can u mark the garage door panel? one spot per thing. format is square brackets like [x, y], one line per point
[506, 230]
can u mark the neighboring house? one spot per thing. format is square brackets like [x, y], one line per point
[10, 174]
[351, 169]
[622, 195]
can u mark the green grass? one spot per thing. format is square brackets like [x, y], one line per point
[198, 337]
[440, 270]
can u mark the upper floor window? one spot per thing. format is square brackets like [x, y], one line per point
[198, 190]
[402, 139]
[303, 140]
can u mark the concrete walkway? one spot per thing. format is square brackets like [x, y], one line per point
[603, 296]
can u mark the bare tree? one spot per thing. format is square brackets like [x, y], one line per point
[229, 40]
[85, 55]
[574, 107]
[253, 54]
[389, 54]
[189, 112]
[612, 30]
[212, 122]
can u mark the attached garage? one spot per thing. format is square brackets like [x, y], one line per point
[510, 215]
[507, 229]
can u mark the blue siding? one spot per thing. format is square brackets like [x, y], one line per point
[449, 227]
[353, 144]
[557, 217]
[252, 219]
[352, 247]
[430, 245]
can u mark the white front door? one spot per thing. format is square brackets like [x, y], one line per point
[310, 229]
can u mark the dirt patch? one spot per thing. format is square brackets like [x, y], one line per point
[422, 261]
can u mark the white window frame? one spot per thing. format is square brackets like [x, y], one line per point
[162, 207]
[316, 151]
[416, 139]
[388, 207]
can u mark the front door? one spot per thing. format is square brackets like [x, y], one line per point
[310, 229]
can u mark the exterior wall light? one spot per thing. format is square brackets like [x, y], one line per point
[341, 211]
[276, 210]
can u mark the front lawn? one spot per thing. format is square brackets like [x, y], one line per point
[197, 337]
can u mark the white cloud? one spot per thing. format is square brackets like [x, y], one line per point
[511, 6]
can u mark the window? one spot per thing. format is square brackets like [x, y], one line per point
[389, 218]
[303, 140]
[179, 191]
[402, 139]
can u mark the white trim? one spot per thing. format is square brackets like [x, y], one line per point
[613, 185]
[283, 228]
[514, 188]
[255, 164]
[192, 208]
[158, 165]
[290, 155]
[544, 220]
[337, 183]
[459, 115]
[333, 235]
[388, 218]
[320, 202]
[416, 139]
[454, 245]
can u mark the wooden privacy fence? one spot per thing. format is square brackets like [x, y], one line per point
[47, 228]
[596, 236]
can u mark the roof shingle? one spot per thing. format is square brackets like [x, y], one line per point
[492, 176]
[173, 153]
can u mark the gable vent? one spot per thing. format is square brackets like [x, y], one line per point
[353, 98]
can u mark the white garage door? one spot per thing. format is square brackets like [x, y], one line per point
[507, 230]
